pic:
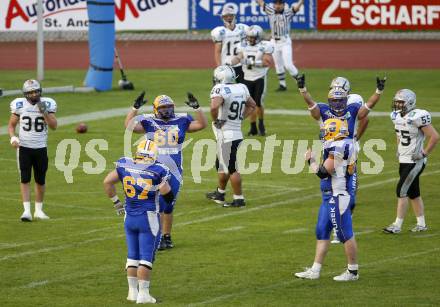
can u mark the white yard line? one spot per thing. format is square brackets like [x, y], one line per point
[229, 229]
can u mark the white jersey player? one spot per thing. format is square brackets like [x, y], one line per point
[33, 113]
[230, 105]
[256, 57]
[280, 17]
[228, 40]
[411, 126]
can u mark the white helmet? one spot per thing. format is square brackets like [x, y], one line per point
[408, 98]
[32, 90]
[224, 74]
[254, 32]
[229, 10]
[342, 83]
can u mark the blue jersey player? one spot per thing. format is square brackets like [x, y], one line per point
[143, 179]
[338, 106]
[335, 210]
[168, 129]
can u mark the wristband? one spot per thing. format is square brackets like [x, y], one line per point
[15, 139]
[379, 92]
[115, 199]
[134, 109]
[303, 90]
[367, 107]
[312, 107]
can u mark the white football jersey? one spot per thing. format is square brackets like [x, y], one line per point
[256, 53]
[33, 127]
[232, 40]
[232, 110]
[409, 132]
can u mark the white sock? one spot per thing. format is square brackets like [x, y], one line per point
[27, 206]
[38, 207]
[283, 83]
[399, 222]
[316, 267]
[144, 286]
[221, 191]
[421, 220]
[353, 267]
[238, 196]
[132, 283]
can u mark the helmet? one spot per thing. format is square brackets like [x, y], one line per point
[334, 129]
[337, 100]
[163, 107]
[32, 90]
[404, 101]
[342, 83]
[147, 151]
[254, 32]
[228, 15]
[224, 74]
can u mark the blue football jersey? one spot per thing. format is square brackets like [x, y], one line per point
[169, 136]
[350, 115]
[141, 184]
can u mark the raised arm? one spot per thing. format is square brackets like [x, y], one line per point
[129, 119]
[312, 106]
[369, 105]
[201, 122]
[297, 6]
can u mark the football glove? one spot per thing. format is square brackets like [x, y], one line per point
[192, 101]
[249, 63]
[119, 207]
[301, 81]
[380, 83]
[418, 156]
[140, 101]
[219, 123]
[42, 106]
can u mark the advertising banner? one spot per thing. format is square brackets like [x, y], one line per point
[206, 14]
[379, 14]
[65, 15]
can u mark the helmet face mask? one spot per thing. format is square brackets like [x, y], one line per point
[404, 101]
[163, 107]
[32, 91]
[228, 16]
[254, 35]
[337, 101]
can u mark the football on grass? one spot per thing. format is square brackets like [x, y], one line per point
[81, 128]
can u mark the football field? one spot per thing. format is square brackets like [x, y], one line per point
[222, 256]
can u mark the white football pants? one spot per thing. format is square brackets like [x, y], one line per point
[282, 57]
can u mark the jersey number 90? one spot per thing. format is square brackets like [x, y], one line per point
[236, 110]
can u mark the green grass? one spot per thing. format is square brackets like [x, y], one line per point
[78, 257]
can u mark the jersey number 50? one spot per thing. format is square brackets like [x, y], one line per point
[130, 190]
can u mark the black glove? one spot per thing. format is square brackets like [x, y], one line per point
[140, 101]
[119, 207]
[380, 83]
[42, 106]
[192, 101]
[301, 81]
[218, 123]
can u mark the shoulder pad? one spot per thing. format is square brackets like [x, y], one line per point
[218, 33]
[51, 104]
[16, 105]
[393, 115]
[419, 118]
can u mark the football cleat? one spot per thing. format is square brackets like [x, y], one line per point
[282, 88]
[252, 132]
[132, 295]
[308, 274]
[346, 276]
[235, 203]
[419, 228]
[145, 299]
[26, 217]
[216, 196]
[40, 215]
[393, 228]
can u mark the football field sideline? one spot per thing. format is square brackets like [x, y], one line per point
[119, 112]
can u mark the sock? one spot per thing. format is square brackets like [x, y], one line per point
[399, 222]
[253, 126]
[144, 286]
[282, 79]
[132, 283]
[221, 191]
[316, 267]
[27, 206]
[421, 220]
[353, 268]
[167, 236]
[38, 206]
[238, 196]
